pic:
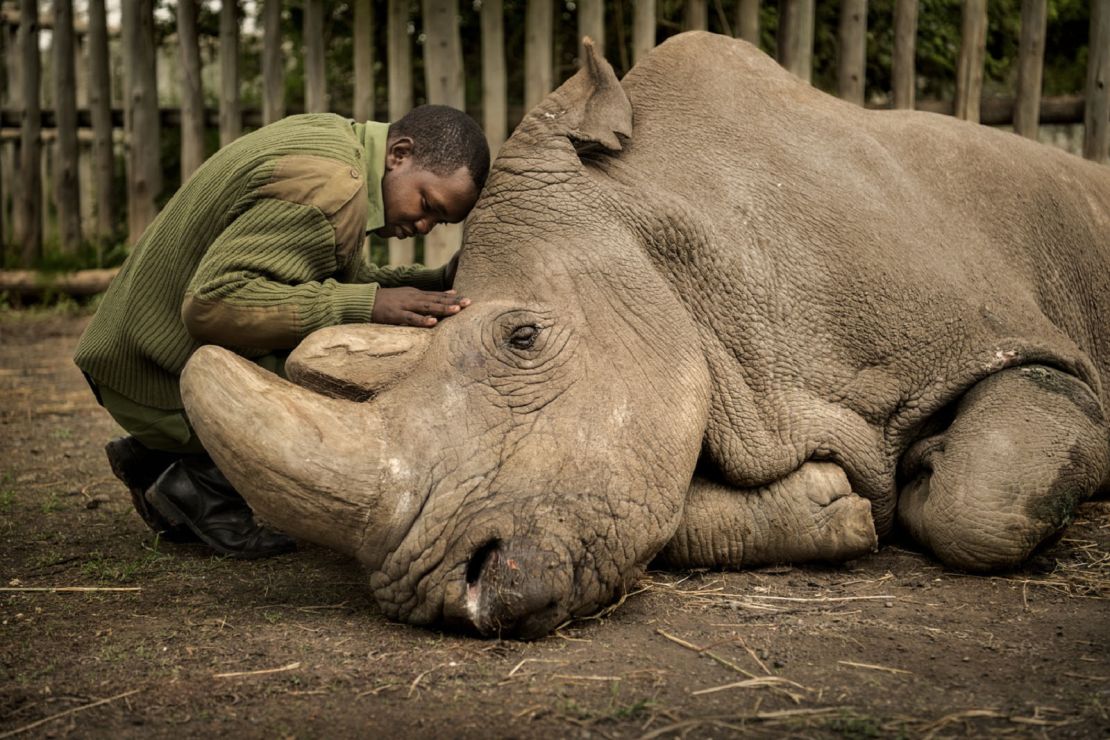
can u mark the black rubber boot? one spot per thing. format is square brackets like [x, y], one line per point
[138, 467]
[194, 493]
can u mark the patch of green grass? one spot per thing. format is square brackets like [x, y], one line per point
[856, 727]
[114, 570]
[617, 710]
[271, 617]
[51, 504]
[7, 492]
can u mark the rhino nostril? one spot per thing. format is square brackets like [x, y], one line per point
[486, 553]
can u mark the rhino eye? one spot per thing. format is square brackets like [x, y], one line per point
[523, 337]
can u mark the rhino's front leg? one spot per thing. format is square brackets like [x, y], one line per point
[1026, 445]
[810, 514]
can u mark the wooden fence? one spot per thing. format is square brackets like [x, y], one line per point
[103, 86]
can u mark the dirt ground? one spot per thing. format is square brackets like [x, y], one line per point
[106, 633]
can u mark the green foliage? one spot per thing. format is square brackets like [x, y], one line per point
[107, 569]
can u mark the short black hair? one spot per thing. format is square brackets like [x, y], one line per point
[443, 140]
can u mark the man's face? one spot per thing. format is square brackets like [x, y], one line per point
[416, 199]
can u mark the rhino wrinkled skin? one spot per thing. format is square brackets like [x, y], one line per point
[719, 318]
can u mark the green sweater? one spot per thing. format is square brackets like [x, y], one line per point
[261, 247]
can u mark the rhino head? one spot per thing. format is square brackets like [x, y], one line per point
[519, 464]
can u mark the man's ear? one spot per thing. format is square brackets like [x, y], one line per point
[397, 151]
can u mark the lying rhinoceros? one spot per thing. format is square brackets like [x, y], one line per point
[719, 316]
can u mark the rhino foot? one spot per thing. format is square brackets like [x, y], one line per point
[810, 515]
[1026, 446]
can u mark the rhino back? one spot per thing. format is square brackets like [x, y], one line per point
[853, 271]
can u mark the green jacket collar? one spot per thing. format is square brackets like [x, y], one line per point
[373, 137]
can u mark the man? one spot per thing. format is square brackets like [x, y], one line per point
[261, 247]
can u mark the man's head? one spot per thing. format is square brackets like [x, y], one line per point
[436, 163]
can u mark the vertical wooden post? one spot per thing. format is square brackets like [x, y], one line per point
[643, 29]
[443, 77]
[315, 81]
[852, 59]
[1027, 105]
[364, 60]
[494, 85]
[591, 22]
[85, 179]
[231, 119]
[9, 151]
[399, 62]
[30, 172]
[969, 70]
[747, 21]
[100, 109]
[902, 83]
[67, 194]
[1096, 117]
[695, 15]
[795, 37]
[273, 64]
[538, 52]
[192, 93]
[144, 172]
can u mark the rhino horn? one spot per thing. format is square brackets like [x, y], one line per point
[356, 361]
[307, 464]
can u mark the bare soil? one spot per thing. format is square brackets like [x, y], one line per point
[170, 641]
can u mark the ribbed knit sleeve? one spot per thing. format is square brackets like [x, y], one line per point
[416, 276]
[265, 282]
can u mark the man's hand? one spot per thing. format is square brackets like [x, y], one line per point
[414, 307]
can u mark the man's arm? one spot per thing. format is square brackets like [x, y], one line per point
[414, 276]
[264, 283]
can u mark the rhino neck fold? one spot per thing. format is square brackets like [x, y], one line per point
[308, 465]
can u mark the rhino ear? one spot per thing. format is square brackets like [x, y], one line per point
[590, 108]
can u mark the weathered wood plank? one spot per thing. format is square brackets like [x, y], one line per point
[192, 93]
[591, 22]
[35, 284]
[29, 211]
[273, 65]
[538, 52]
[1096, 138]
[902, 74]
[795, 37]
[100, 111]
[399, 63]
[231, 118]
[315, 79]
[852, 59]
[144, 172]
[696, 15]
[747, 21]
[67, 192]
[364, 60]
[969, 69]
[644, 24]
[1034, 17]
[443, 77]
[494, 78]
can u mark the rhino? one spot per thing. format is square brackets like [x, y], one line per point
[720, 319]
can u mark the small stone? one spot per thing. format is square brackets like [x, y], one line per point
[888, 604]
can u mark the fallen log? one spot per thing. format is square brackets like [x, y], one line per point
[33, 284]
